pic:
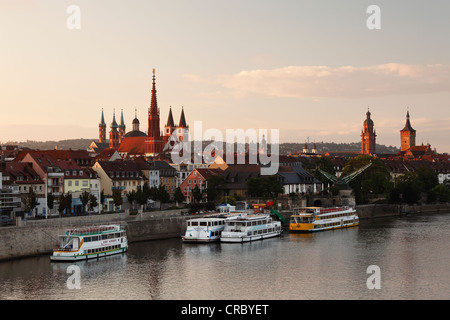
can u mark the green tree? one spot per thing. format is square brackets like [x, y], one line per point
[117, 198]
[441, 192]
[214, 187]
[197, 194]
[131, 197]
[50, 201]
[84, 198]
[408, 187]
[92, 202]
[375, 180]
[30, 201]
[178, 195]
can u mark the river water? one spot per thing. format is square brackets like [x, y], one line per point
[407, 257]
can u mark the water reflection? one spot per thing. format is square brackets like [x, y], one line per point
[412, 254]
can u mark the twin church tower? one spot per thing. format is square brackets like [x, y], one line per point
[368, 135]
[136, 142]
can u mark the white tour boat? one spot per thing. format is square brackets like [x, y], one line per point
[312, 219]
[250, 227]
[206, 229]
[92, 242]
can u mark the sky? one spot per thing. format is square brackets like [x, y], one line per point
[310, 69]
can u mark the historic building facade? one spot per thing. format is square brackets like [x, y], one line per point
[368, 136]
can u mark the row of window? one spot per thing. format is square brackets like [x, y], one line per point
[263, 231]
[74, 172]
[104, 236]
[96, 250]
[205, 223]
[248, 223]
[77, 183]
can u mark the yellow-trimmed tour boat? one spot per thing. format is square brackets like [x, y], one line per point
[312, 219]
[90, 242]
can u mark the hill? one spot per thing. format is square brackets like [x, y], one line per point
[285, 148]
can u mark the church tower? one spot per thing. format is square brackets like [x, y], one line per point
[114, 133]
[102, 129]
[182, 126]
[170, 127]
[368, 136]
[153, 141]
[407, 135]
[121, 128]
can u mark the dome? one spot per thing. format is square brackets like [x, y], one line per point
[135, 133]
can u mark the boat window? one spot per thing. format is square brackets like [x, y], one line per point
[203, 223]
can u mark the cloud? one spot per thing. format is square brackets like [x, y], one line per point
[346, 82]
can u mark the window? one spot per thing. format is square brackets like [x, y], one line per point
[77, 183]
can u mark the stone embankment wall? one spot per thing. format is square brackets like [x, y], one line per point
[36, 237]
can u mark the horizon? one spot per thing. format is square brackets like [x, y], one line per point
[310, 69]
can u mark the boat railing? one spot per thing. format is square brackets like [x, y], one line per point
[90, 230]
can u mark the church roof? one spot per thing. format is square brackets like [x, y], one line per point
[182, 122]
[408, 126]
[170, 122]
[132, 145]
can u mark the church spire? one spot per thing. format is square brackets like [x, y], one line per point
[170, 122]
[182, 123]
[102, 129]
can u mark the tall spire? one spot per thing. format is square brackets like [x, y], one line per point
[170, 122]
[182, 122]
[154, 103]
[102, 120]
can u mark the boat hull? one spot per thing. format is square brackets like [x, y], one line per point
[79, 257]
[305, 229]
[245, 238]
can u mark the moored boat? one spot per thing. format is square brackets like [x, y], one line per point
[250, 227]
[91, 242]
[312, 219]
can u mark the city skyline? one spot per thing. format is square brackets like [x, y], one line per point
[308, 68]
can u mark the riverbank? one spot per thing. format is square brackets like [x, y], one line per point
[37, 237]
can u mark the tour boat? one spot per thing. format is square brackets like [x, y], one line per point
[250, 227]
[206, 229]
[92, 242]
[312, 219]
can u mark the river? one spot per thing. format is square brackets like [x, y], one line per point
[390, 258]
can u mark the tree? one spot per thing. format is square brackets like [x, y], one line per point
[84, 198]
[441, 192]
[30, 201]
[117, 198]
[374, 180]
[50, 201]
[408, 187]
[197, 194]
[92, 202]
[265, 186]
[214, 189]
[178, 195]
[131, 197]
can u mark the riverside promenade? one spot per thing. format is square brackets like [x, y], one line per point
[37, 237]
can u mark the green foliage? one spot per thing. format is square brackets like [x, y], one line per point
[30, 201]
[375, 180]
[214, 183]
[178, 195]
[264, 186]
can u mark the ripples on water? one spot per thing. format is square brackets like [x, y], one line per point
[412, 253]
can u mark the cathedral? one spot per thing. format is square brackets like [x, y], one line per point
[137, 143]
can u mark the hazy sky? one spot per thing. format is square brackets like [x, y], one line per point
[308, 68]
